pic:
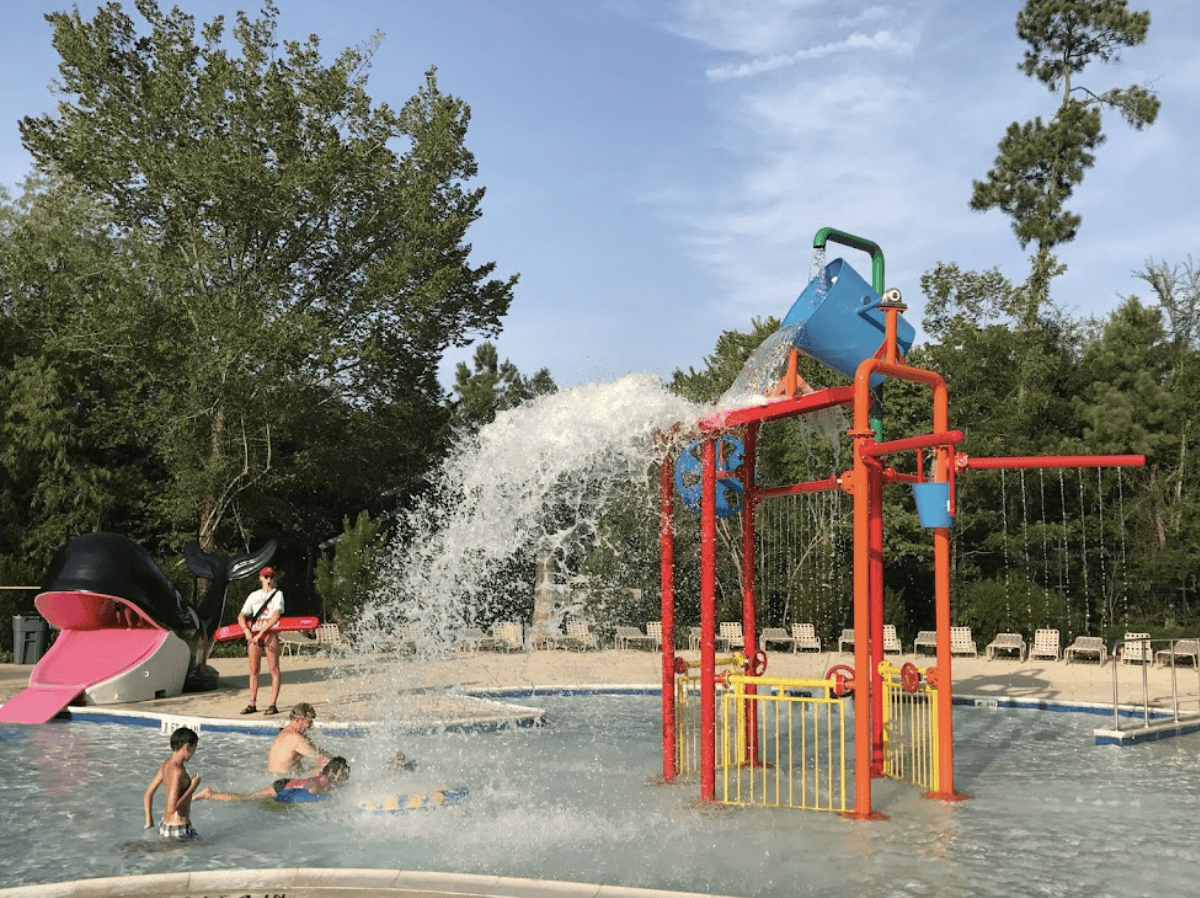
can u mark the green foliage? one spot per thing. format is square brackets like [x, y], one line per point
[490, 386]
[227, 291]
[1041, 162]
[348, 576]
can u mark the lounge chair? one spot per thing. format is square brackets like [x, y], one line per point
[579, 636]
[962, 642]
[891, 642]
[1180, 648]
[730, 636]
[1045, 645]
[654, 633]
[294, 640]
[925, 639]
[694, 639]
[625, 637]
[409, 635]
[1087, 646]
[777, 636]
[1006, 642]
[508, 636]
[805, 637]
[846, 639]
[1136, 649]
[473, 639]
[330, 637]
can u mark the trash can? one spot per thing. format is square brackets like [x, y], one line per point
[29, 639]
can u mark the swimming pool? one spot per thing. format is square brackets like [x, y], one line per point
[1052, 813]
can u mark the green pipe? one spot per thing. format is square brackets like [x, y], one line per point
[822, 237]
[860, 243]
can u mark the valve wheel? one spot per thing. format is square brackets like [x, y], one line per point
[757, 666]
[843, 679]
[931, 677]
[681, 666]
[910, 677]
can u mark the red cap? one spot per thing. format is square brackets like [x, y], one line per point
[267, 572]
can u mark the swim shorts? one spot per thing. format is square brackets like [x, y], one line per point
[177, 831]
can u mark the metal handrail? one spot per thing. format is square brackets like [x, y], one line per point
[1146, 655]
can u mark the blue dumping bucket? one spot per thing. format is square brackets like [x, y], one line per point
[838, 321]
[933, 504]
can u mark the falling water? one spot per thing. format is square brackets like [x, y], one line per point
[537, 479]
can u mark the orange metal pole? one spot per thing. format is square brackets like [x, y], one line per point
[875, 521]
[749, 592]
[860, 490]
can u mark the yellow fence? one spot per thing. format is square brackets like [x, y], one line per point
[800, 734]
[910, 730]
[687, 724]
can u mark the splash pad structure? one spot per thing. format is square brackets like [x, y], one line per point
[783, 742]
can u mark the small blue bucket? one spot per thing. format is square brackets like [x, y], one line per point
[933, 504]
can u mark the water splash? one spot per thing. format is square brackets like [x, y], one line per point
[540, 478]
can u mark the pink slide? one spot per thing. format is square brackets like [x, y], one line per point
[108, 650]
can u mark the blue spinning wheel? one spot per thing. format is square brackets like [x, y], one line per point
[689, 468]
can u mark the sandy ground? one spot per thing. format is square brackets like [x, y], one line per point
[347, 689]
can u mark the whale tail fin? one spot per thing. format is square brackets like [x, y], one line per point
[220, 571]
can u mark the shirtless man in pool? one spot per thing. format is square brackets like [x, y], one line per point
[292, 744]
[176, 820]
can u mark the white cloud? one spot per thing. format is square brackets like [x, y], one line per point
[880, 41]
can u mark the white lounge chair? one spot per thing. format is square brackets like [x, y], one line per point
[776, 636]
[294, 640]
[1180, 648]
[1136, 649]
[579, 636]
[330, 637]
[1087, 646]
[626, 637]
[473, 639]
[891, 642]
[1045, 645]
[846, 639]
[508, 636]
[925, 639]
[1006, 642]
[729, 636]
[805, 637]
[654, 633]
[694, 638]
[962, 642]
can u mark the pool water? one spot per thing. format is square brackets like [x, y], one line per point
[1051, 814]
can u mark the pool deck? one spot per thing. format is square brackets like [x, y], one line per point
[345, 690]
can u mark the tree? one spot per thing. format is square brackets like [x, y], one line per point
[284, 256]
[490, 386]
[346, 577]
[1040, 163]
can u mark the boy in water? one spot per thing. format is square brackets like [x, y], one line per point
[332, 775]
[179, 786]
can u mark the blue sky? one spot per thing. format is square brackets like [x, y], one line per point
[656, 169]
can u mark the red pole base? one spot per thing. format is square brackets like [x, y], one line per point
[870, 815]
[947, 796]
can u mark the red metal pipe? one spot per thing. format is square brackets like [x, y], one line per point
[832, 482]
[666, 538]
[949, 437]
[964, 462]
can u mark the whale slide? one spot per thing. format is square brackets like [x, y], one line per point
[109, 651]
